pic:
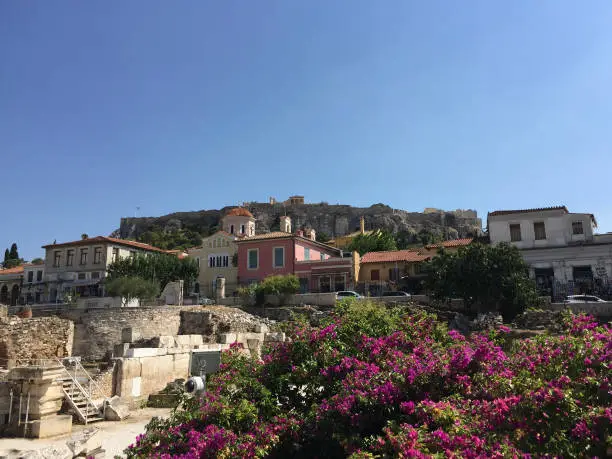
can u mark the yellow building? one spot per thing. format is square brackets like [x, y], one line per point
[400, 269]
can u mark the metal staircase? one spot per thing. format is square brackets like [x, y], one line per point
[79, 391]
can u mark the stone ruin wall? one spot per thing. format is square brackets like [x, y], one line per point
[35, 338]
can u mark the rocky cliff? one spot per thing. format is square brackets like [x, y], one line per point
[332, 220]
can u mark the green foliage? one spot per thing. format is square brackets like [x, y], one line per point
[84, 236]
[323, 237]
[178, 239]
[426, 237]
[14, 253]
[11, 257]
[38, 261]
[376, 241]
[130, 288]
[279, 285]
[491, 276]
[160, 268]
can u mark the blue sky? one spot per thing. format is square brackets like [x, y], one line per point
[188, 105]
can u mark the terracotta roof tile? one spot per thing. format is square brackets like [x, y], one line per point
[393, 255]
[453, 243]
[272, 235]
[15, 270]
[239, 212]
[107, 240]
[525, 211]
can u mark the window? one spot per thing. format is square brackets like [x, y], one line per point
[322, 256]
[279, 257]
[226, 261]
[115, 255]
[306, 253]
[375, 275]
[39, 276]
[82, 276]
[83, 256]
[515, 232]
[37, 296]
[577, 228]
[30, 276]
[242, 229]
[253, 259]
[339, 283]
[97, 255]
[394, 274]
[57, 257]
[231, 229]
[540, 231]
[70, 257]
[95, 275]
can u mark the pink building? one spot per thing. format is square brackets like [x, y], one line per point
[320, 267]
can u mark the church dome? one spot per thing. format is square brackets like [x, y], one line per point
[239, 212]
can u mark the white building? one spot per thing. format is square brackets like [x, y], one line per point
[564, 254]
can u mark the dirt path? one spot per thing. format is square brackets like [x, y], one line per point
[116, 436]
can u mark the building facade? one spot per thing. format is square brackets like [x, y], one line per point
[33, 287]
[81, 266]
[217, 256]
[10, 285]
[320, 267]
[564, 254]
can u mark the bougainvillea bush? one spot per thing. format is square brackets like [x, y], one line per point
[378, 383]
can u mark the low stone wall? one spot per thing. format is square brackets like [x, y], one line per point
[602, 310]
[97, 331]
[23, 340]
[300, 299]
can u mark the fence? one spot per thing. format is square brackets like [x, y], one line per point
[601, 288]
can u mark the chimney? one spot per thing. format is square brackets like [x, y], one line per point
[285, 224]
[362, 225]
[311, 234]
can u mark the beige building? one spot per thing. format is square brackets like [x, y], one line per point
[33, 288]
[10, 285]
[217, 256]
[81, 265]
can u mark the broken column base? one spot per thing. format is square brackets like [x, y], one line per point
[51, 427]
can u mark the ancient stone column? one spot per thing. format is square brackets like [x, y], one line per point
[220, 288]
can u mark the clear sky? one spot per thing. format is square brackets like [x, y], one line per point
[188, 105]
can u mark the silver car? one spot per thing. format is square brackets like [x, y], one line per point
[583, 299]
[347, 294]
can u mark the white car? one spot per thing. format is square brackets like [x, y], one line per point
[347, 294]
[583, 299]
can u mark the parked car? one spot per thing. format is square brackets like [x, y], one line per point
[206, 301]
[347, 294]
[404, 294]
[583, 299]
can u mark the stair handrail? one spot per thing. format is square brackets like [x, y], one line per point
[90, 381]
[78, 385]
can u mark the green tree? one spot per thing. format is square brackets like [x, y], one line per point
[11, 257]
[376, 241]
[404, 239]
[130, 288]
[323, 237]
[494, 277]
[14, 253]
[161, 268]
[7, 255]
[38, 261]
[84, 236]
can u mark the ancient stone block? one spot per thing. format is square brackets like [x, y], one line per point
[116, 411]
[183, 340]
[195, 340]
[130, 368]
[163, 341]
[261, 328]
[142, 352]
[130, 335]
[227, 338]
[52, 426]
[253, 343]
[119, 350]
[85, 442]
[275, 336]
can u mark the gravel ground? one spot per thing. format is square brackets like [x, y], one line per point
[116, 436]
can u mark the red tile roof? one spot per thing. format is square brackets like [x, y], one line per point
[15, 270]
[525, 211]
[272, 235]
[393, 255]
[453, 243]
[239, 212]
[107, 240]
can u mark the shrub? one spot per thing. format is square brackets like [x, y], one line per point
[372, 382]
